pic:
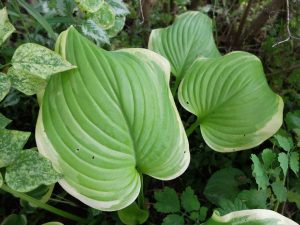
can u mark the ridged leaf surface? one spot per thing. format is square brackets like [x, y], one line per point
[110, 120]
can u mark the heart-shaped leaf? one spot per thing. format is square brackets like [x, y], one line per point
[29, 171]
[236, 108]
[109, 121]
[6, 28]
[250, 217]
[188, 38]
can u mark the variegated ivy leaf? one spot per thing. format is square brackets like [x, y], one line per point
[26, 82]
[29, 171]
[6, 28]
[11, 144]
[4, 121]
[89, 5]
[90, 29]
[118, 7]
[39, 61]
[250, 217]
[117, 27]
[189, 37]
[104, 17]
[4, 85]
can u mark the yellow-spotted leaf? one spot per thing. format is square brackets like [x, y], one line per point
[4, 85]
[189, 37]
[250, 217]
[236, 108]
[6, 28]
[89, 5]
[109, 121]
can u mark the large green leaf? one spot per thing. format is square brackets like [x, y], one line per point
[110, 120]
[29, 171]
[188, 38]
[250, 217]
[236, 108]
[6, 28]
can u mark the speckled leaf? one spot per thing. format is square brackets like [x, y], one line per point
[25, 82]
[11, 144]
[189, 37]
[118, 7]
[6, 28]
[4, 85]
[117, 27]
[104, 17]
[39, 61]
[90, 29]
[89, 5]
[250, 217]
[4, 121]
[235, 107]
[29, 171]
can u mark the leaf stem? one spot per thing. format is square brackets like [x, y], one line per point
[191, 129]
[42, 205]
[141, 200]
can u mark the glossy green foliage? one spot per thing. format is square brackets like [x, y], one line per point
[110, 120]
[236, 108]
[188, 38]
[250, 217]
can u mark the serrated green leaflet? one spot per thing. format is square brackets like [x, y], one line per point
[4, 121]
[167, 201]
[283, 159]
[110, 120]
[26, 82]
[259, 173]
[280, 191]
[29, 171]
[173, 219]
[188, 38]
[104, 17]
[11, 144]
[4, 85]
[89, 5]
[250, 217]
[236, 108]
[294, 162]
[189, 200]
[39, 61]
[6, 28]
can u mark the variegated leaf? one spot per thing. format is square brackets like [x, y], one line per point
[6, 28]
[4, 121]
[29, 171]
[119, 7]
[104, 17]
[94, 32]
[4, 85]
[117, 27]
[89, 5]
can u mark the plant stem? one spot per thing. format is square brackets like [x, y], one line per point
[175, 87]
[191, 129]
[41, 204]
[141, 200]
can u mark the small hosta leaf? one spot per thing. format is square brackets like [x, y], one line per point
[167, 201]
[93, 31]
[189, 200]
[132, 215]
[118, 7]
[259, 173]
[6, 28]
[104, 17]
[173, 219]
[4, 121]
[268, 157]
[283, 159]
[89, 5]
[117, 27]
[224, 184]
[4, 85]
[285, 143]
[254, 199]
[280, 191]
[39, 61]
[219, 91]
[294, 162]
[189, 37]
[29, 171]
[11, 144]
[250, 217]
[25, 82]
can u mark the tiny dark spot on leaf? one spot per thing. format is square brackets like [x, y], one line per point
[93, 157]
[77, 149]
[244, 135]
[187, 102]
